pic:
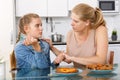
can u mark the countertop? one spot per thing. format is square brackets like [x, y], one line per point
[64, 43]
[114, 42]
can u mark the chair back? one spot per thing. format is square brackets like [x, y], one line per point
[111, 58]
[12, 61]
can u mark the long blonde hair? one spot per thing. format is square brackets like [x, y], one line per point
[86, 12]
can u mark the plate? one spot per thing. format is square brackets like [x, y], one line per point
[103, 71]
[53, 73]
[101, 75]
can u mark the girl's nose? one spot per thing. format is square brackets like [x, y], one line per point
[72, 23]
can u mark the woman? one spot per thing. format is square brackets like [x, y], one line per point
[87, 42]
[37, 53]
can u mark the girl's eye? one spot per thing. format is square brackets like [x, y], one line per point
[38, 25]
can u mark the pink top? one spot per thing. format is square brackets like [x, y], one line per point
[85, 49]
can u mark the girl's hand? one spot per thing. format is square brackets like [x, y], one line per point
[30, 41]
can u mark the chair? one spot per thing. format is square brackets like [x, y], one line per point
[111, 57]
[12, 64]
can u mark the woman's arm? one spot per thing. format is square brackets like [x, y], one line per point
[101, 38]
[53, 49]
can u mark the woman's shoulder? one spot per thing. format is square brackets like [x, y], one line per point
[70, 33]
[101, 32]
[101, 28]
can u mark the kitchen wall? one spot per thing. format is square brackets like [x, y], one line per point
[62, 25]
[6, 27]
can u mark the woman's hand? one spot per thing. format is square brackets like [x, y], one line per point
[59, 58]
[67, 58]
[49, 41]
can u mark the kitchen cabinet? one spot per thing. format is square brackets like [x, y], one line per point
[57, 8]
[31, 6]
[45, 8]
[116, 49]
[72, 3]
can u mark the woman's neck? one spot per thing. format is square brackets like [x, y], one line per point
[82, 35]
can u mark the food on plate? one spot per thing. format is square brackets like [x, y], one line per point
[100, 67]
[66, 70]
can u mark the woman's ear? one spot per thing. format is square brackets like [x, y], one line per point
[87, 22]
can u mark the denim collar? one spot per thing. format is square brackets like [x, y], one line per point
[41, 44]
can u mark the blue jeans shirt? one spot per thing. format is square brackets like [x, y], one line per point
[27, 57]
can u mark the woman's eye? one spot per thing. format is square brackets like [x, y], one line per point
[37, 25]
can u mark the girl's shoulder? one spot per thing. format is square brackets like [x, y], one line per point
[19, 45]
[42, 42]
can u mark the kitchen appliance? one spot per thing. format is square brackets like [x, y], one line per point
[109, 6]
[56, 37]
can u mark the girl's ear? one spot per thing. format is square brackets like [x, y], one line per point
[26, 29]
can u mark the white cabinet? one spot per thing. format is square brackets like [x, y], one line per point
[72, 3]
[31, 6]
[57, 8]
[45, 8]
[116, 49]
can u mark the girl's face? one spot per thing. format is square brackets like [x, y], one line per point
[77, 24]
[35, 28]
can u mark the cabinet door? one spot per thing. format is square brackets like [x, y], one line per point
[57, 8]
[31, 6]
[72, 3]
[116, 49]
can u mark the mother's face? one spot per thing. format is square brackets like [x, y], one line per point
[77, 24]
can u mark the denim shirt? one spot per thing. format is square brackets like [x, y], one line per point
[27, 57]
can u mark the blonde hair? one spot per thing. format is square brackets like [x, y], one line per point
[25, 20]
[86, 12]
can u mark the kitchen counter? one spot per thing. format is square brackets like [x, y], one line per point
[114, 42]
[59, 43]
[64, 43]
